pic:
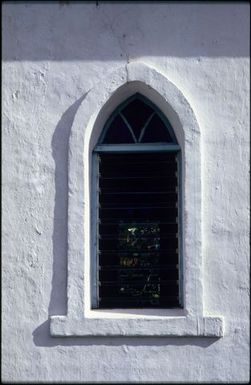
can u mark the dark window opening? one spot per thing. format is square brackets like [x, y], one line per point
[137, 215]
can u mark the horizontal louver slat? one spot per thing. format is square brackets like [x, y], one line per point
[136, 213]
[104, 225]
[138, 283]
[142, 290]
[112, 229]
[166, 184]
[142, 206]
[127, 173]
[109, 245]
[113, 274]
[131, 259]
[111, 303]
[137, 158]
[121, 268]
[145, 237]
[117, 221]
[136, 200]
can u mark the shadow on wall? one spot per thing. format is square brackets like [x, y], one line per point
[103, 31]
[42, 337]
[57, 305]
[60, 144]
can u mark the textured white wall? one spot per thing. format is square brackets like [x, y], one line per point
[53, 54]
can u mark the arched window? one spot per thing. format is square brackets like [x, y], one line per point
[136, 209]
[93, 171]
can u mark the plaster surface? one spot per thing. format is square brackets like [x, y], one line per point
[86, 129]
[53, 55]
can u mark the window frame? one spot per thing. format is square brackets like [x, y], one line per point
[94, 209]
[93, 112]
[130, 148]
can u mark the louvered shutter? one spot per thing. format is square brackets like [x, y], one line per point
[138, 230]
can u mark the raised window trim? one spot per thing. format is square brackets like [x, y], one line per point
[93, 112]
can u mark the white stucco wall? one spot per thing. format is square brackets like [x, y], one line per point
[53, 54]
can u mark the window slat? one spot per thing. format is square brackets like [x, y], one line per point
[138, 283]
[118, 267]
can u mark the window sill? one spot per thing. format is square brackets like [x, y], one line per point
[159, 326]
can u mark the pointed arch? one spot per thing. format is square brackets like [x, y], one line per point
[137, 120]
[89, 121]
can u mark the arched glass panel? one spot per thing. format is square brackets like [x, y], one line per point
[137, 121]
[137, 113]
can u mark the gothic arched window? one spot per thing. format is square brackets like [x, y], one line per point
[136, 210]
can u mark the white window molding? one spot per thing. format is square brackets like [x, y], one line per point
[89, 121]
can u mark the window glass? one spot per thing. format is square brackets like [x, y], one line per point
[156, 131]
[137, 113]
[118, 132]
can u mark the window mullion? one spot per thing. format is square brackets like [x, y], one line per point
[129, 127]
[145, 126]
